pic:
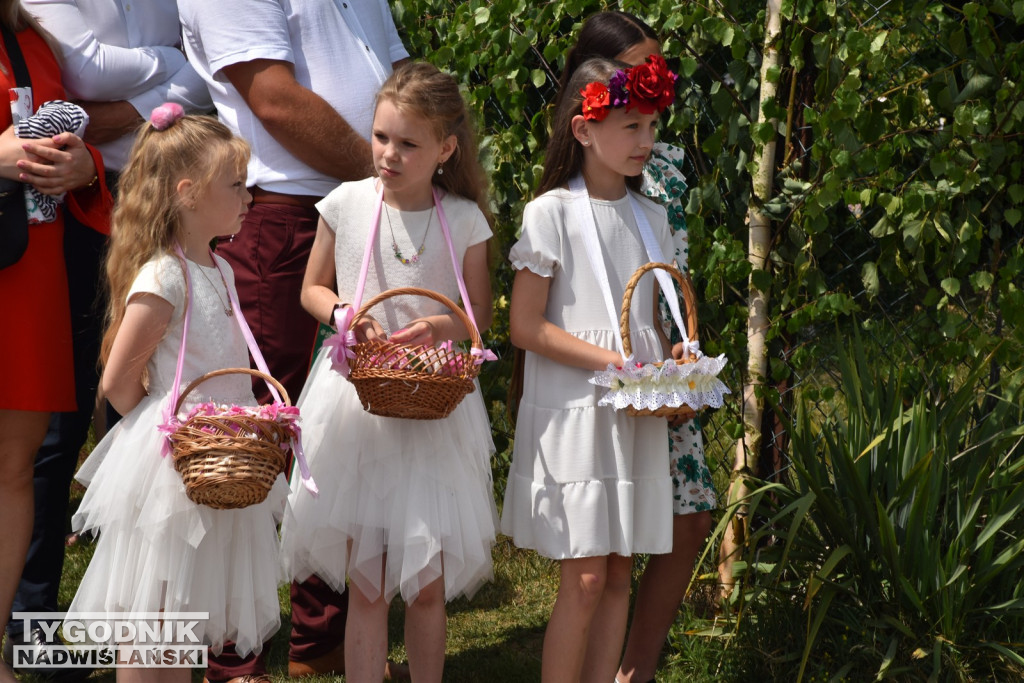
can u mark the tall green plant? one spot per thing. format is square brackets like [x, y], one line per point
[902, 532]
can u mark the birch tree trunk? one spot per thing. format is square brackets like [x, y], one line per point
[748, 447]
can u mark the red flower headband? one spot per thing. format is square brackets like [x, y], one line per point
[649, 87]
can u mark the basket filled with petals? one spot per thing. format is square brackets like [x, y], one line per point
[229, 456]
[414, 382]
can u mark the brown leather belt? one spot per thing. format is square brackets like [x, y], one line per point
[303, 201]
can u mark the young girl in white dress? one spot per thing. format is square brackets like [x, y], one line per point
[406, 506]
[184, 185]
[589, 485]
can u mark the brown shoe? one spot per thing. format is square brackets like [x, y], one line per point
[396, 672]
[332, 663]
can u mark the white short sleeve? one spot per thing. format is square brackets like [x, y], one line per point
[539, 248]
[163, 276]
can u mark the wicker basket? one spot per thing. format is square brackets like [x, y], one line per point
[413, 382]
[690, 299]
[230, 461]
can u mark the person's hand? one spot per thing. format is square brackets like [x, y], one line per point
[109, 121]
[367, 329]
[418, 333]
[57, 165]
[678, 350]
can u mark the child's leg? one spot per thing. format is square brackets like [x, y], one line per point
[366, 634]
[608, 625]
[425, 633]
[580, 590]
[661, 591]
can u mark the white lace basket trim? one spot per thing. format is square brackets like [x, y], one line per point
[651, 386]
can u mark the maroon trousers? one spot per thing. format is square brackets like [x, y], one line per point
[268, 257]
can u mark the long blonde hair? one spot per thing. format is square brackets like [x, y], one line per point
[420, 88]
[15, 17]
[146, 217]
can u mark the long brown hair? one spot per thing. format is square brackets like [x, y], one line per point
[420, 88]
[605, 34]
[146, 217]
[564, 157]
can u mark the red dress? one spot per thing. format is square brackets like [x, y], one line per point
[35, 319]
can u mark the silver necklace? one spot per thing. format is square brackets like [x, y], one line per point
[394, 244]
[228, 308]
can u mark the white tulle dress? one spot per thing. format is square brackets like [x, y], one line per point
[418, 490]
[157, 550]
[587, 480]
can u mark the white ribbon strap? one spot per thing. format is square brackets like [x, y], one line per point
[655, 254]
[588, 230]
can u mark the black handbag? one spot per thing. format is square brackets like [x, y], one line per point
[13, 212]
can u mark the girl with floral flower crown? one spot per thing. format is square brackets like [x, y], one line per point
[626, 38]
[159, 552]
[589, 486]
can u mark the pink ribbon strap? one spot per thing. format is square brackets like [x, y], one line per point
[261, 364]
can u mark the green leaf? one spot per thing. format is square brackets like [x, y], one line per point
[951, 286]
[482, 15]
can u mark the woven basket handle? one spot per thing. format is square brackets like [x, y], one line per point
[232, 371]
[474, 334]
[689, 298]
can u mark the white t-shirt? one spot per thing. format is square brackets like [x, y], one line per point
[341, 49]
[122, 50]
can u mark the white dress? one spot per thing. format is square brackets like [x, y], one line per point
[157, 550]
[419, 490]
[585, 480]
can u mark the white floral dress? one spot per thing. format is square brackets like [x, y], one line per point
[692, 488]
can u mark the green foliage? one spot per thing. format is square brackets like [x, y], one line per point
[901, 534]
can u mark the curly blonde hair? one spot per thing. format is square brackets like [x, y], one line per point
[146, 219]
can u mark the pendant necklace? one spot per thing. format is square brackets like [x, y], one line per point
[228, 308]
[394, 243]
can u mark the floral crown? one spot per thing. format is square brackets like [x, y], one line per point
[649, 87]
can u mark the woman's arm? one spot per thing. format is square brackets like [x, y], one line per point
[57, 165]
[145, 322]
[432, 329]
[531, 331]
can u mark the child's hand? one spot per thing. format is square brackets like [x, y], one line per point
[678, 350]
[368, 329]
[418, 333]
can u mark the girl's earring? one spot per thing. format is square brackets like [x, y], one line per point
[440, 169]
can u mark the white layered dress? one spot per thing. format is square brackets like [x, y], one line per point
[587, 480]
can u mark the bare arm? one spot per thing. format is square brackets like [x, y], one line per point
[145, 322]
[531, 331]
[110, 121]
[300, 120]
[318, 286]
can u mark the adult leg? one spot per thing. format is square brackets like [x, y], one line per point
[580, 591]
[57, 458]
[21, 433]
[426, 633]
[608, 625]
[661, 591]
[317, 643]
